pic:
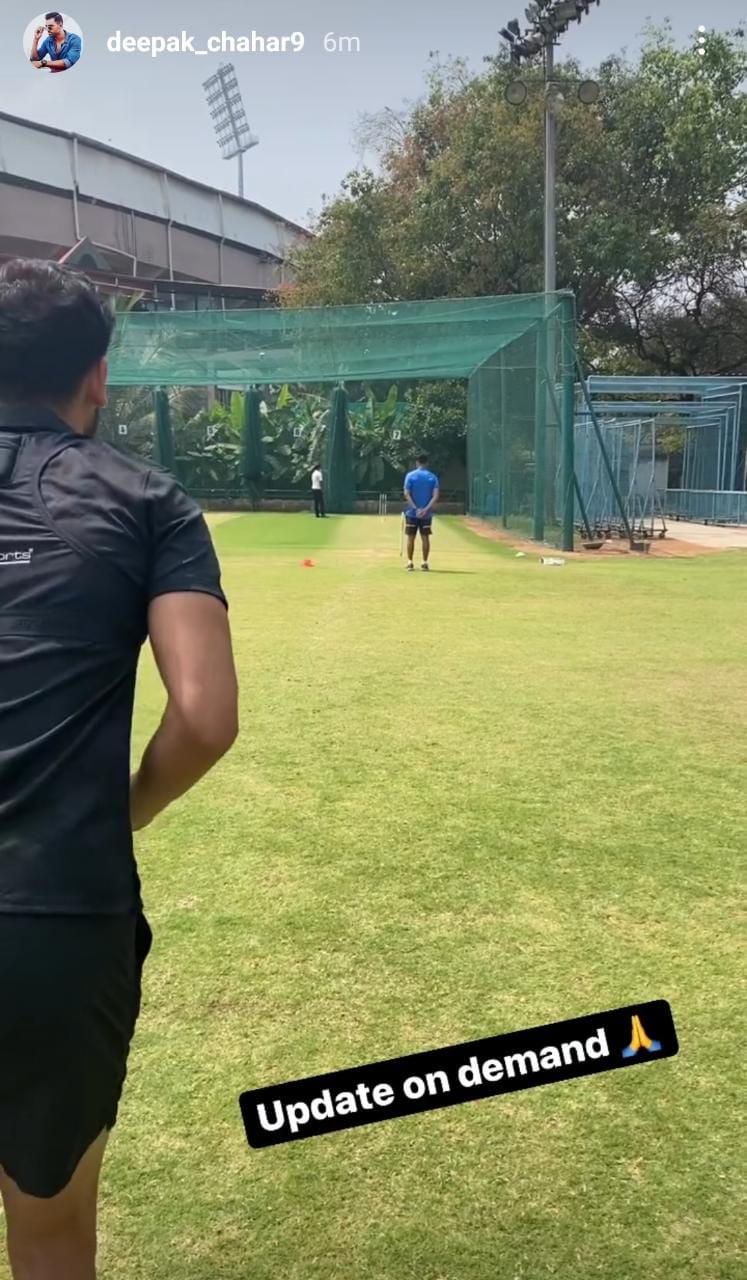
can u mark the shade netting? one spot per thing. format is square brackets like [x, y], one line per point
[514, 351]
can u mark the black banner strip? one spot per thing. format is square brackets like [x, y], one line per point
[628, 1037]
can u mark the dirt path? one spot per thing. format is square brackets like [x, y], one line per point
[711, 536]
[683, 540]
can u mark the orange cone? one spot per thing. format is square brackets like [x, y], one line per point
[307, 564]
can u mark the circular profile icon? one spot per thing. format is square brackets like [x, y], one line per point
[53, 42]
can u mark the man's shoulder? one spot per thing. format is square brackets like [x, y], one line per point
[113, 503]
[112, 465]
[109, 477]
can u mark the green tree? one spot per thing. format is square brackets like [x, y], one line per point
[436, 422]
[652, 203]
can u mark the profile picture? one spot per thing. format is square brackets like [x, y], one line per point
[53, 42]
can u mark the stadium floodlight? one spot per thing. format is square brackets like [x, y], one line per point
[567, 11]
[229, 117]
[516, 93]
[588, 92]
[548, 19]
[532, 45]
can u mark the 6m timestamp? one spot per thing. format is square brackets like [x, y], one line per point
[341, 44]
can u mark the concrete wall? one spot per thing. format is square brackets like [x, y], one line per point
[56, 188]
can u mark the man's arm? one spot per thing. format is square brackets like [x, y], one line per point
[411, 501]
[73, 54]
[74, 51]
[436, 495]
[40, 31]
[39, 52]
[422, 512]
[192, 646]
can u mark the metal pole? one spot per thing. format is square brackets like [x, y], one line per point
[550, 171]
[605, 456]
[653, 473]
[541, 393]
[504, 444]
[551, 284]
[580, 499]
[241, 175]
[568, 348]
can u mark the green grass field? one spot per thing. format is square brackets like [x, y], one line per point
[460, 805]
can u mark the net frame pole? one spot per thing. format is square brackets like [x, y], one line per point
[551, 130]
[605, 458]
[540, 436]
[568, 415]
[504, 450]
[582, 508]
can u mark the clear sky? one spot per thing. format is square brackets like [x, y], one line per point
[302, 105]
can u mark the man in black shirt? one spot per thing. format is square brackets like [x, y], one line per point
[97, 552]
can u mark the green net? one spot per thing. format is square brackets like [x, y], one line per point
[164, 438]
[252, 452]
[340, 483]
[515, 459]
[516, 353]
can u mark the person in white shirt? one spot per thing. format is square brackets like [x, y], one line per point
[317, 491]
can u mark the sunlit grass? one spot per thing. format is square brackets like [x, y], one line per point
[461, 804]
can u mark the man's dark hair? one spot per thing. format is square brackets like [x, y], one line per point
[421, 459]
[57, 16]
[54, 328]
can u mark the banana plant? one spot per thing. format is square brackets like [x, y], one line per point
[372, 428]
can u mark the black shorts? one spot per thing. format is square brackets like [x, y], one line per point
[70, 1001]
[423, 524]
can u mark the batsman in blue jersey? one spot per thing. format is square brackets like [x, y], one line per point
[421, 495]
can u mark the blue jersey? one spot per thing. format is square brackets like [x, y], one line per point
[421, 485]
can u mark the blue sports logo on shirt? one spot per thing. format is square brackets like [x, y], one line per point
[421, 484]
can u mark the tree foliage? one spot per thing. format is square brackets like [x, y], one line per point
[389, 425]
[652, 203]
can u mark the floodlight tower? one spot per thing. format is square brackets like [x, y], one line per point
[548, 20]
[229, 117]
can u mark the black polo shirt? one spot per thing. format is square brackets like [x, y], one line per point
[88, 537]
